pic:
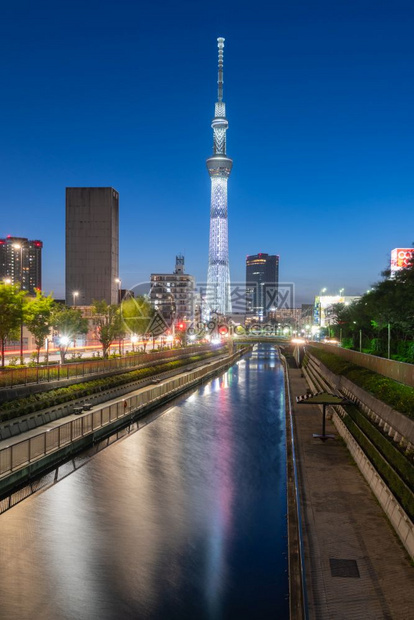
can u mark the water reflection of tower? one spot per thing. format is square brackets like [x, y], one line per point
[219, 167]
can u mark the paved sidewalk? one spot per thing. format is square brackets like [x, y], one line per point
[343, 521]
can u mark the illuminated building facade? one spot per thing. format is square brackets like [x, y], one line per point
[21, 262]
[173, 294]
[262, 279]
[218, 298]
[324, 308]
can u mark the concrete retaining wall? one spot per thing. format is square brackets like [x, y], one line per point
[399, 371]
[398, 426]
[402, 524]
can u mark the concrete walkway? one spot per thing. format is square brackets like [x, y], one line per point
[355, 565]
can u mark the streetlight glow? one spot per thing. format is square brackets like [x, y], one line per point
[119, 282]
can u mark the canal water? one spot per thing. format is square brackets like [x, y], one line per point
[184, 519]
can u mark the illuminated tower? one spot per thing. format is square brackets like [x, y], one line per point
[219, 168]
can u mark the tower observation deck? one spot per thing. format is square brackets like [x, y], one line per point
[219, 166]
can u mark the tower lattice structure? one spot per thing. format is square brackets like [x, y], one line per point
[219, 166]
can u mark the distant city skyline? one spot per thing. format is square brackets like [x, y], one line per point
[321, 100]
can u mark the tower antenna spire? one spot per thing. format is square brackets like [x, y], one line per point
[220, 45]
[218, 297]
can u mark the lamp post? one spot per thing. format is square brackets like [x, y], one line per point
[119, 282]
[134, 339]
[75, 295]
[18, 246]
[389, 341]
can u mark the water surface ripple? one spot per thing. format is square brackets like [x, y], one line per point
[184, 519]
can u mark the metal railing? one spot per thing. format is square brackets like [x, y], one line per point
[63, 372]
[54, 438]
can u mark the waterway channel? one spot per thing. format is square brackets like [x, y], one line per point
[183, 519]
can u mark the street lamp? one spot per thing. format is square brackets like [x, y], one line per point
[18, 246]
[119, 282]
[75, 295]
[341, 290]
[134, 339]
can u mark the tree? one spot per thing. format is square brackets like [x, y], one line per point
[387, 308]
[69, 322]
[108, 322]
[136, 313]
[12, 306]
[38, 318]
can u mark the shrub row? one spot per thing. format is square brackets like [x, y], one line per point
[384, 469]
[396, 395]
[37, 402]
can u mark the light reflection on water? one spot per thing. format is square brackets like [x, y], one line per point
[183, 519]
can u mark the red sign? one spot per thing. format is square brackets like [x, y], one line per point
[400, 258]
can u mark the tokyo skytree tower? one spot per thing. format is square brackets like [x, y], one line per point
[219, 168]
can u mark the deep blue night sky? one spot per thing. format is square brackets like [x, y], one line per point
[320, 100]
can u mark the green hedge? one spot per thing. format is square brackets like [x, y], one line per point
[37, 402]
[391, 478]
[394, 394]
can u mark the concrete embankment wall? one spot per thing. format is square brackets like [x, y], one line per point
[82, 372]
[399, 427]
[399, 371]
[22, 460]
[15, 427]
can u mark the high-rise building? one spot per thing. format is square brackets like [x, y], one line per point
[21, 262]
[92, 245]
[173, 294]
[262, 279]
[218, 298]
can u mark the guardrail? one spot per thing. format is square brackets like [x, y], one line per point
[29, 450]
[63, 372]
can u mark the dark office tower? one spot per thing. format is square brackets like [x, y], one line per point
[21, 262]
[262, 277]
[92, 245]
